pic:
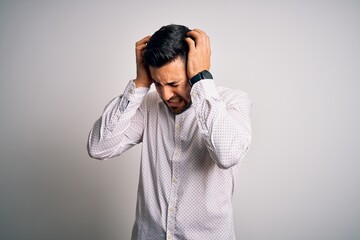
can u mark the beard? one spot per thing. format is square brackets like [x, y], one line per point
[174, 111]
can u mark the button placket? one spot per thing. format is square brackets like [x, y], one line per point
[171, 212]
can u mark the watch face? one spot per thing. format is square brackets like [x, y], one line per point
[206, 75]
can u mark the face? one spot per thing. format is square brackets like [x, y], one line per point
[172, 85]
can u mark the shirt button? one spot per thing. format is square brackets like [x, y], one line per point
[169, 237]
[177, 153]
[174, 180]
[194, 95]
[171, 210]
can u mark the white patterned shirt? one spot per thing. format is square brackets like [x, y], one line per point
[188, 161]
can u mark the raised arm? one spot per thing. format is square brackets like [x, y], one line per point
[223, 117]
[121, 125]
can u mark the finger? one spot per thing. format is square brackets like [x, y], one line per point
[194, 34]
[143, 40]
[141, 47]
[199, 37]
[190, 42]
[201, 32]
[197, 33]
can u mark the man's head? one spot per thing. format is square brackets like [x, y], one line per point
[165, 45]
[166, 55]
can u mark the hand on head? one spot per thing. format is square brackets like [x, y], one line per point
[199, 52]
[143, 78]
[198, 57]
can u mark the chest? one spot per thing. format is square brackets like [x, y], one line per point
[178, 137]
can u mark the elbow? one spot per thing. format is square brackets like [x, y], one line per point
[226, 165]
[94, 148]
[233, 157]
[96, 154]
[229, 161]
[226, 161]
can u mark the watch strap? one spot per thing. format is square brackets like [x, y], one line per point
[200, 76]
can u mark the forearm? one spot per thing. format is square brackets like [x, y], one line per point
[120, 125]
[224, 122]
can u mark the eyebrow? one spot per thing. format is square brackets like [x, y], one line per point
[169, 83]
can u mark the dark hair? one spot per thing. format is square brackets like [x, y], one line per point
[165, 45]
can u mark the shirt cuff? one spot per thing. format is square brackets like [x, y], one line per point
[204, 89]
[132, 94]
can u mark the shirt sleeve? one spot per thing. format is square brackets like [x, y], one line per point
[121, 125]
[224, 122]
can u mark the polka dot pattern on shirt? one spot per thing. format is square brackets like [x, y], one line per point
[188, 160]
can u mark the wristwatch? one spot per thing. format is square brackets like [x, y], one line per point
[201, 75]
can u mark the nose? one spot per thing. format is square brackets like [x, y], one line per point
[166, 93]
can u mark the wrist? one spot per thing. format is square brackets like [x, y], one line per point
[200, 76]
[141, 83]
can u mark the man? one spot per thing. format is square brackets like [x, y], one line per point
[193, 136]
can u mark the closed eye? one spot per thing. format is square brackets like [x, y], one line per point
[171, 84]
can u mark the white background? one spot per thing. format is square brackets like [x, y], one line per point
[62, 61]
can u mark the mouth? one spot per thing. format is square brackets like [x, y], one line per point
[174, 100]
[177, 105]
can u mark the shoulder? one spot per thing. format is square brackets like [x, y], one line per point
[151, 99]
[152, 96]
